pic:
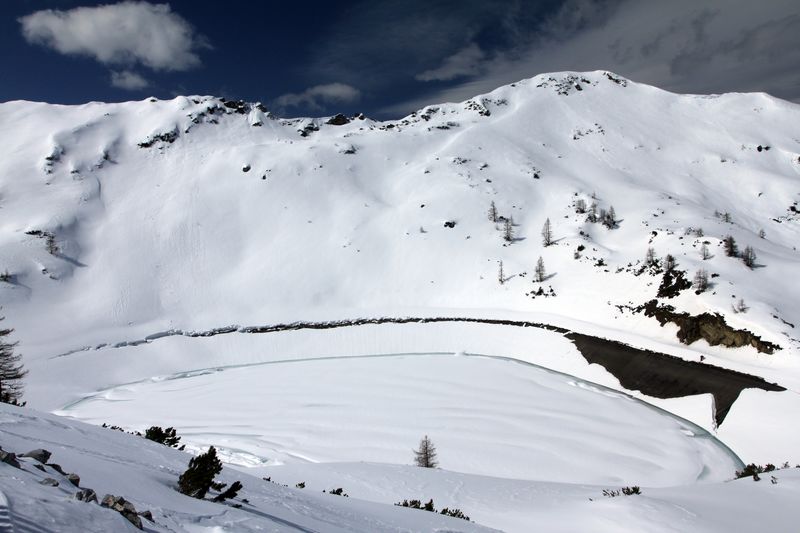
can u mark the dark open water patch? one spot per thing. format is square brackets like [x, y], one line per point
[666, 376]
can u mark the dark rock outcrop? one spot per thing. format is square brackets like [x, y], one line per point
[338, 120]
[50, 482]
[673, 282]
[9, 458]
[711, 327]
[123, 507]
[57, 468]
[86, 495]
[40, 455]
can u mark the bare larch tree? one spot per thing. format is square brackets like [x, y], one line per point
[425, 456]
[547, 233]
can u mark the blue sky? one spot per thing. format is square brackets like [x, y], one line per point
[386, 58]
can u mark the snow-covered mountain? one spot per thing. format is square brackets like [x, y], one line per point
[150, 247]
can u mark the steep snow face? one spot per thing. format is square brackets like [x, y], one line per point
[185, 214]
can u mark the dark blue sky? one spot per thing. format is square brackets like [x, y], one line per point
[385, 58]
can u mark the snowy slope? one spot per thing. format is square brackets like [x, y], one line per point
[146, 474]
[312, 232]
[126, 226]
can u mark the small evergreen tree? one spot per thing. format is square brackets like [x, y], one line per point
[540, 272]
[501, 276]
[547, 233]
[704, 253]
[580, 206]
[425, 456]
[11, 370]
[730, 246]
[167, 437]
[199, 477]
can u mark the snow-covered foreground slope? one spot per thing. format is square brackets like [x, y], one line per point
[145, 473]
[520, 506]
[127, 228]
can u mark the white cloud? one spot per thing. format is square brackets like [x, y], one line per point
[694, 46]
[126, 33]
[315, 97]
[128, 80]
[465, 62]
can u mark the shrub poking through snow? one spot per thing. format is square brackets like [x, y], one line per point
[455, 513]
[627, 491]
[417, 504]
[754, 470]
[199, 477]
[167, 437]
[231, 492]
[338, 492]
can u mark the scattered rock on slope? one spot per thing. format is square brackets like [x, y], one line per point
[123, 507]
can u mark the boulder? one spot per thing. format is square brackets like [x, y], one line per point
[57, 468]
[75, 479]
[39, 454]
[86, 495]
[9, 458]
[123, 507]
[50, 482]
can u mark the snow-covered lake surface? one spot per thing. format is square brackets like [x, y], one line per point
[488, 416]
